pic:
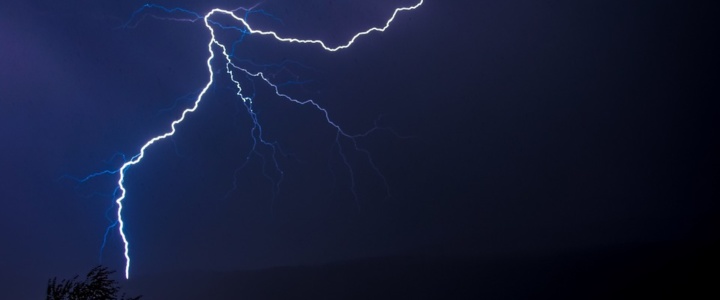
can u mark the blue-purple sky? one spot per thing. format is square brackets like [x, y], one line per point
[525, 127]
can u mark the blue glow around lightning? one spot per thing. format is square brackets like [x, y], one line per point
[230, 68]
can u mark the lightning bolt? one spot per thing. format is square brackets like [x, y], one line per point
[230, 69]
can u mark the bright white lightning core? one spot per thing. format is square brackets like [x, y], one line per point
[229, 68]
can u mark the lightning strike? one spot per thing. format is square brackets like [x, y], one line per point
[230, 68]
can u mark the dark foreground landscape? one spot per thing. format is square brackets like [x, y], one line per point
[677, 270]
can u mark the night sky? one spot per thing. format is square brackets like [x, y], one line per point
[515, 128]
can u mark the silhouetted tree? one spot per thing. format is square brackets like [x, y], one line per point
[96, 286]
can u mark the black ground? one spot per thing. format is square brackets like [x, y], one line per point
[677, 270]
